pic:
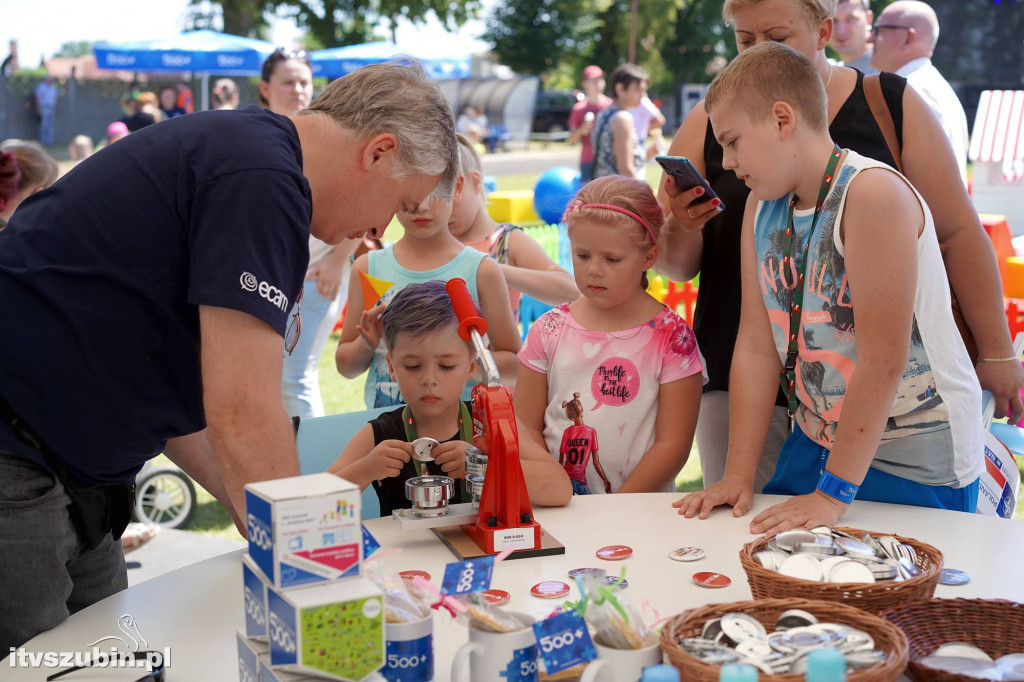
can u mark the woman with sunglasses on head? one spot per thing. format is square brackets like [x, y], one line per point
[286, 86]
[700, 237]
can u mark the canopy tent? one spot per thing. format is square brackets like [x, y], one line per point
[203, 52]
[335, 62]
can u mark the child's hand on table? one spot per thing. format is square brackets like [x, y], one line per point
[387, 459]
[802, 511]
[732, 490]
[451, 457]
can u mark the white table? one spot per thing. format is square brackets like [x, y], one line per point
[196, 610]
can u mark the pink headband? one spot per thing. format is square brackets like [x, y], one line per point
[578, 206]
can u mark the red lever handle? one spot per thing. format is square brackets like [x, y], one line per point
[462, 302]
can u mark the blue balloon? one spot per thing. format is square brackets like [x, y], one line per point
[554, 190]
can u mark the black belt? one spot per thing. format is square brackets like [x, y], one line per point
[95, 509]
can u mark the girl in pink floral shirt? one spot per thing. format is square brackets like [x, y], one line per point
[634, 361]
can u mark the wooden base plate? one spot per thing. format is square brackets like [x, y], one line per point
[464, 548]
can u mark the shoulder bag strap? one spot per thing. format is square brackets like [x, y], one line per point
[883, 117]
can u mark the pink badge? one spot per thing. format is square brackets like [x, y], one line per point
[614, 552]
[708, 579]
[497, 597]
[412, 575]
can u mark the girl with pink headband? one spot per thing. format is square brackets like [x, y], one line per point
[631, 360]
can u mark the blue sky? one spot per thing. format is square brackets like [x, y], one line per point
[42, 27]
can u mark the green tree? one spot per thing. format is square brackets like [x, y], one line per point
[78, 48]
[237, 17]
[536, 36]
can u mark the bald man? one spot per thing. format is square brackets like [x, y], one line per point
[851, 28]
[904, 38]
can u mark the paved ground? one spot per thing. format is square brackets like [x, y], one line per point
[173, 549]
[531, 162]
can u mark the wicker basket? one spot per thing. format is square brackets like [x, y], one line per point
[994, 626]
[887, 637]
[872, 597]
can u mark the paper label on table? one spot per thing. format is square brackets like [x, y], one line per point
[514, 538]
[370, 544]
[472, 575]
[564, 641]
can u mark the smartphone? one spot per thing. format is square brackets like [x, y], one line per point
[686, 176]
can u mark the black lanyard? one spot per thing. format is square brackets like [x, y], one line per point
[788, 375]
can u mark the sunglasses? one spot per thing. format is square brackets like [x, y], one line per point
[877, 27]
[155, 659]
[280, 55]
[294, 330]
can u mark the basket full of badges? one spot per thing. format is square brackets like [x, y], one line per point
[958, 640]
[777, 636]
[869, 570]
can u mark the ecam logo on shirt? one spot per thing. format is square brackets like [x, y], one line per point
[268, 291]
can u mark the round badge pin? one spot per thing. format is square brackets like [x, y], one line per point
[952, 576]
[614, 552]
[586, 571]
[616, 580]
[496, 597]
[686, 554]
[412, 575]
[550, 589]
[709, 579]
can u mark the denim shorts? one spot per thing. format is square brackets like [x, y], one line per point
[802, 462]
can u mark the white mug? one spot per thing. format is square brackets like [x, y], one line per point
[622, 665]
[410, 651]
[498, 656]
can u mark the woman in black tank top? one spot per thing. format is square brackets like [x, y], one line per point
[705, 240]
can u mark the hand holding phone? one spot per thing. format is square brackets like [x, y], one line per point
[686, 176]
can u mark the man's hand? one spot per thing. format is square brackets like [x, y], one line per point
[732, 490]
[451, 457]
[802, 511]
[369, 327]
[1004, 381]
[387, 459]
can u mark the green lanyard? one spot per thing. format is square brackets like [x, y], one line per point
[465, 431]
[788, 375]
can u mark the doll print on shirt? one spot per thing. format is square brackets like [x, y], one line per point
[579, 444]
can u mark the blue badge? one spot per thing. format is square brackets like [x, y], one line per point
[472, 575]
[563, 641]
[370, 544]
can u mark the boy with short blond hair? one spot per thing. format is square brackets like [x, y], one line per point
[887, 409]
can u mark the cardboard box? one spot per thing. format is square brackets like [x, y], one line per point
[334, 630]
[249, 653]
[255, 594]
[304, 530]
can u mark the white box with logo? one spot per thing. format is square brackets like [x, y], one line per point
[304, 530]
[249, 653]
[334, 630]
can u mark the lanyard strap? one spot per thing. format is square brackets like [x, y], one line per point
[788, 375]
[465, 431]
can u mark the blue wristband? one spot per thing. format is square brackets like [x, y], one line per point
[837, 488]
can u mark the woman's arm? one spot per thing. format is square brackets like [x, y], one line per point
[501, 326]
[356, 345]
[623, 135]
[682, 239]
[880, 230]
[678, 404]
[929, 164]
[754, 382]
[329, 272]
[546, 480]
[532, 272]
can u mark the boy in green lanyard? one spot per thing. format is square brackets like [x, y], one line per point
[431, 365]
[845, 301]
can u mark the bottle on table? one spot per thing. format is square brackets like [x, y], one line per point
[737, 672]
[659, 673]
[826, 665]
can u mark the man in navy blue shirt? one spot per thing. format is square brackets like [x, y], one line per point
[144, 299]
